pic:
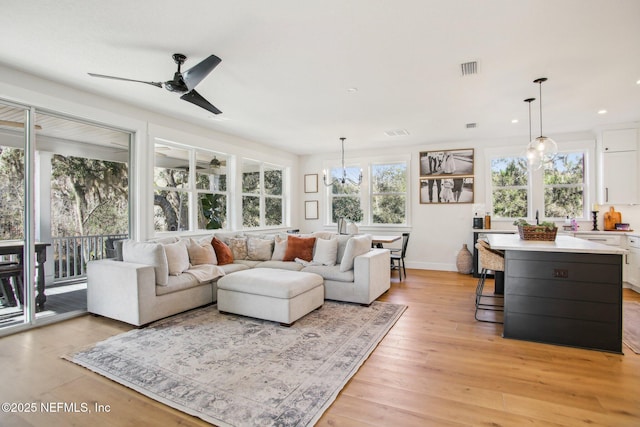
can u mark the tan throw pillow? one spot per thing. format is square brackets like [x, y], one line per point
[259, 249]
[148, 254]
[326, 251]
[299, 247]
[201, 253]
[279, 249]
[177, 258]
[238, 247]
[356, 246]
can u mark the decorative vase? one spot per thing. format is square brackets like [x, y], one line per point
[352, 228]
[342, 226]
[464, 260]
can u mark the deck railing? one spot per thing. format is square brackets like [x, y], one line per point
[71, 254]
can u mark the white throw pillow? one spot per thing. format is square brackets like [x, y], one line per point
[177, 258]
[357, 245]
[326, 251]
[148, 254]
[279, 249]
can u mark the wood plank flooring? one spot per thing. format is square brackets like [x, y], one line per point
[436, 367]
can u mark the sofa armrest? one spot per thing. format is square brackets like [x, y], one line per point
[116, 289]
[372, 275]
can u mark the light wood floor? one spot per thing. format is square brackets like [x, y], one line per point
[436, 367]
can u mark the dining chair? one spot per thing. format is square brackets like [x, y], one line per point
[491, 260]
[398, 254]
[11, 271]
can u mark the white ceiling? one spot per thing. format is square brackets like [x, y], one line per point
[287, 65]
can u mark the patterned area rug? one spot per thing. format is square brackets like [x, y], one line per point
[237, 371]
[631, 325]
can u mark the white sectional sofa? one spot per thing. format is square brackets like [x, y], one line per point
[152, 282]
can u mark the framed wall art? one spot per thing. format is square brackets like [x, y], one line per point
[445, 163]
[444, 189]
[311, 209]
[311, 183]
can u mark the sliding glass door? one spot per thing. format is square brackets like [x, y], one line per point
[64, 187]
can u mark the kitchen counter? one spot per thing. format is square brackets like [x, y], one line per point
[567, 244]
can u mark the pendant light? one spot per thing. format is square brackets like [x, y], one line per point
[545, 148]
[344, 179]
[534, 158]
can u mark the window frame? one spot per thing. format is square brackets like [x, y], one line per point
[262, 193]
[190, 189]
[536, 186]
[366, 189]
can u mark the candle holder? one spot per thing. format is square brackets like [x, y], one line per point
[595, 220]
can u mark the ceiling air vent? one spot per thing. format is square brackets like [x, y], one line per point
[396, 132]
[469, 68]
[471, 125]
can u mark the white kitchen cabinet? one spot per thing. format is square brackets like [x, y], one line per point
[620, 166]
[633, 261]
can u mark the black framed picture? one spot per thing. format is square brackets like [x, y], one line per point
[446, 163]
[455, 189]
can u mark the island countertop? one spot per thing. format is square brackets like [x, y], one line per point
[512, 242]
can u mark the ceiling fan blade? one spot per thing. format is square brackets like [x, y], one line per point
[102, 76]
[197, 99]
[195, 74]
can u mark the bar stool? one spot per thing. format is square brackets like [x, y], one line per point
[491, 260]
[11, 270]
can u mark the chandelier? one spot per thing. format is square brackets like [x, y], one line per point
[543, 149]
[344, 179]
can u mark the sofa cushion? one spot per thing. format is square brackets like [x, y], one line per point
[326, 251]
[299, 247]
[148, 254]
[177, 283]
[223, 252]
[282, 265]
[201, 252]
[238, 247]
[331, 273]
[248, 262]
[357, 245]
[177, 257]
[342, 245]
[279, 248]
[232, 268]
[259, 249]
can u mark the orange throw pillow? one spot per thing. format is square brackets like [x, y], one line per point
[223, 252]
[299, 247]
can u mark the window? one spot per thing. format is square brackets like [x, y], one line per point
[510, 184]
[389, 193]
[557, 191]
[190, 189]
[381, 199]
[262, 194]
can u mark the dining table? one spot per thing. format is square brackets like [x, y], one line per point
[379, 241]
[16, 247]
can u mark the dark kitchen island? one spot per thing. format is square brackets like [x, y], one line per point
[565, 292]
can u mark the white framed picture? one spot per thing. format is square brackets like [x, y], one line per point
[311, 209]
[311, 183]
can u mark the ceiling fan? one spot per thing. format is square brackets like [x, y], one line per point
[183, 82]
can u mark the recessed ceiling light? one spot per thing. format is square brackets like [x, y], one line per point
[514, 120]
[352, 90]
[638, 82]
[602, 111]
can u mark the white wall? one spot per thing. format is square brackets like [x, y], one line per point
[438, 231]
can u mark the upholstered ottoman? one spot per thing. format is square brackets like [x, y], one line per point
[271, 294]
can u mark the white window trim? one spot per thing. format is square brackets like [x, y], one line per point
[535, 187]
[365, 164]
[263, 196]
